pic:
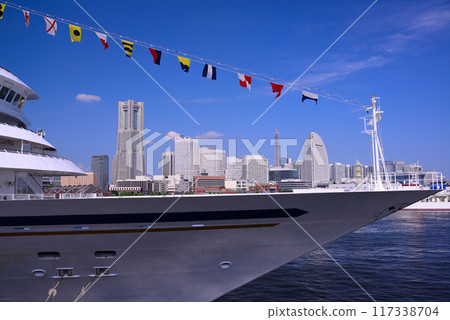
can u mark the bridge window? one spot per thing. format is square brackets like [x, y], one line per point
[3, 92]
[16, 99]
[21, 102]
[10, 96]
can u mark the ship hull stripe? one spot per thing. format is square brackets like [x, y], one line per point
[85, 232]
[90, 219]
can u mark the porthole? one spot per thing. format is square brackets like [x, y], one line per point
[49, 255]
[105, 254]
[39, 273]
[225, 265]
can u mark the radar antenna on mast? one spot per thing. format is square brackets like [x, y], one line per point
[377, 149]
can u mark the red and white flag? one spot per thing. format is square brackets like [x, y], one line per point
[276, 88]
[102, 38]
[245, 81]
[27, 17]
[50, 26]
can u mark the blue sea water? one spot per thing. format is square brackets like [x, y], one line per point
[403, 257]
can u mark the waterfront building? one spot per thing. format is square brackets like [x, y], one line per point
[139, 184]
[236, 185]
[212, 161]
[263, 187]
[255, 169]
[314, 160]
[168, 163]
[90, 178]
[291, 184]
[205, 184]
[100, 166]
[282, 173]
[234, 168]
[129, 160]
[187, 157]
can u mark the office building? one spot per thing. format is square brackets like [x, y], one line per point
[168, 163]
[100, 166]
[337, 172]
[234, 168]
[187, 157]
[280, 173]
[129, 161]
[255, 169]
[212, 161]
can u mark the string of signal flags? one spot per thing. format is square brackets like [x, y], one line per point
[156, 51]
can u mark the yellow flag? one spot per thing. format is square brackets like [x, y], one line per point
[2, 8]
[75, 33]
[184, 63]
[127, 47]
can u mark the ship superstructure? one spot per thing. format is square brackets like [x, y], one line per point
[25, 156]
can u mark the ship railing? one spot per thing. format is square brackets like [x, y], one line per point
[39, 154]
[404, 181]
[49, 196]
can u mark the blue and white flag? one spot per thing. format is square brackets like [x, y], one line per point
[209, 71]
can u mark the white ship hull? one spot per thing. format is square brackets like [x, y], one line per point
[179, 258]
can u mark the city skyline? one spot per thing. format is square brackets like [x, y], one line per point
[397, 51]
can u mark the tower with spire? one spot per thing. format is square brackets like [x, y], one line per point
[277, 148]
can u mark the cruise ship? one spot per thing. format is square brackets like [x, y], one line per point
[195, 247]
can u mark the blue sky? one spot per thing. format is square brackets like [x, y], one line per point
[399, 50]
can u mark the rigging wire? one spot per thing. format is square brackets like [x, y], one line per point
[195, 58]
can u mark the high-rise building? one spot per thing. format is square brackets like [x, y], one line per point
[277, 148]
[168, 163]
[394, 166]
[129, 161]
[187, 157]
[100, 166]
[212, 161]
[337, 172]
[348, 171]
[314, 160]
[255, 169]
[234, 168]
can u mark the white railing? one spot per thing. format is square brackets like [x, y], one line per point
[396, 181]
[44, 196]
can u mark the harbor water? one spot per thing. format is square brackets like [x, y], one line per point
[403, 257]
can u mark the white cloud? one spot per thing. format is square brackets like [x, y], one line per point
[172, 134]
[339, 69]
[209, 135]
[83, 97]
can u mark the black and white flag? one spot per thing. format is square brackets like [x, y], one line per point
[209, 71]
[310, 96]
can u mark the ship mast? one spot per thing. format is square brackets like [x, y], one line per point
[377, 149]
